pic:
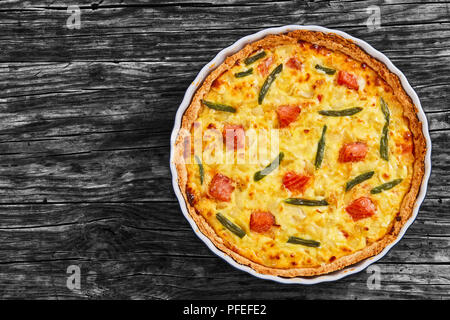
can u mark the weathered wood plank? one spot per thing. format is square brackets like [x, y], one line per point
[142, 231]
[432, 219]
[57, 91]
[118, 172]
[70, 132]
[133, 251]
[18, 4]
[162, 84]
[140, 175]
[160, 278]
[124, 33]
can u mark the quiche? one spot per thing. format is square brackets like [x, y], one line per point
[342, 166]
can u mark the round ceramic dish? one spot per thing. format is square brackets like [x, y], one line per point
[218, 59]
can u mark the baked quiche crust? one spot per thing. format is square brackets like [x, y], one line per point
[335, 43]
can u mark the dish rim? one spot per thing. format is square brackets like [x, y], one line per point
[219, 59]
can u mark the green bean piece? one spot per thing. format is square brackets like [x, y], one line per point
[270, 79]
[271, 167]
[384, 142]
[385, 109]
[244, 73]
[325, 69]
[304, 242]
[357, 180]
[200, 169]
[218, 106]
[306, 202]
[386, 186]
[340, 113]
[230, 225]
[320, 149]
[254, 58]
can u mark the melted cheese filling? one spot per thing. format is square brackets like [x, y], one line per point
[312, 90]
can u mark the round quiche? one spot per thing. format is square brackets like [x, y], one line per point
[301, 154]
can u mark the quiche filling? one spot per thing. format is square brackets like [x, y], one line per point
[343, 165]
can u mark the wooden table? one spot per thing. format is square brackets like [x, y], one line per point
[86, 116]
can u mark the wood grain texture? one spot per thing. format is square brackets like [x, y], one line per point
[85, 122]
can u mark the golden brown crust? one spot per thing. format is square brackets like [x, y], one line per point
[336, 43]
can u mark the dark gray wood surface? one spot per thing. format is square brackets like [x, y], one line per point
[86, 116]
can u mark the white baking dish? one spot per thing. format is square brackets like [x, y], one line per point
[218, 59]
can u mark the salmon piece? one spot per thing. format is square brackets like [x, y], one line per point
[353, 152]
[233, 136]
[261, 221]
[221, 187]
[295, 182]
[348, 80]
[264, 66]
[361, 208]
[287, 114]
[294, 63]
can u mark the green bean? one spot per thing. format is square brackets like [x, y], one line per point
[230, 225]
[244, 73]
[306, 202]
[357, 180]
[384, 142]
[386, 186]
[320, 149]
[255, 57]
[270, 79]
[340, 113]
[325, 69]
[385, 109]
[304, 242]
[200, 169]
[218, 106]
[271, 167]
